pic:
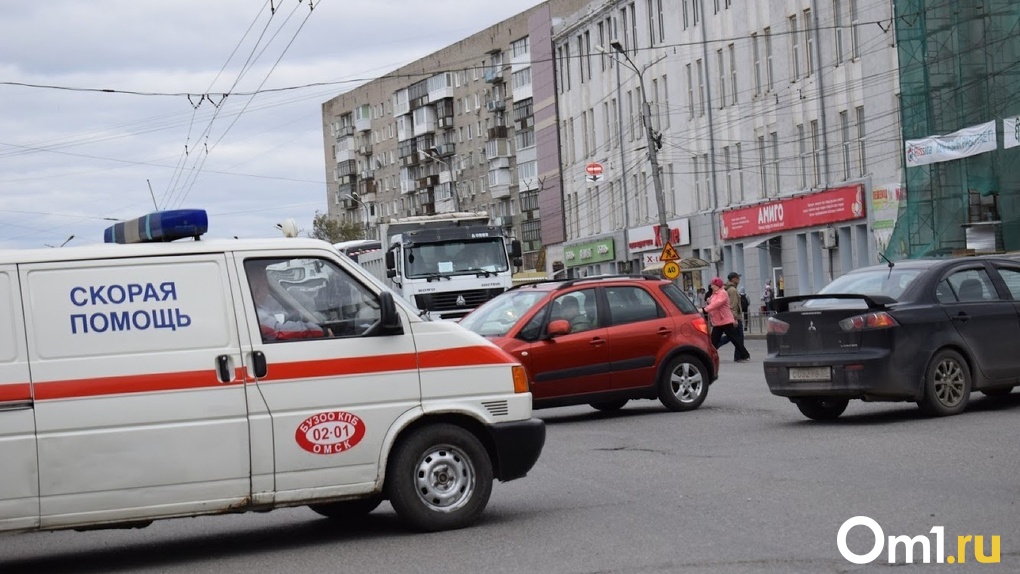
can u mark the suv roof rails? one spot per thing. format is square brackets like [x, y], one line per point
[643, 277]
[564, 283]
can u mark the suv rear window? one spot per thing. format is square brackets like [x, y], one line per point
[677, 297]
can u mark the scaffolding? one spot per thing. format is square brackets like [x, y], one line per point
[959, 67]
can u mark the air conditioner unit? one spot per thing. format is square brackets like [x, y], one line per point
[829, 240]
[715, 254]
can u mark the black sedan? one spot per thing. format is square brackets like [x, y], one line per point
[929, 331]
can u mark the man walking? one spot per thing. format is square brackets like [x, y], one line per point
[733, 280]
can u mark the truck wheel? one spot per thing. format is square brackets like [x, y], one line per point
[821, 408]
[440, 478]
[946, 385]
[684, 384]
[348, 509]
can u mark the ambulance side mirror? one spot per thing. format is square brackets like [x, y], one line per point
[389, 319]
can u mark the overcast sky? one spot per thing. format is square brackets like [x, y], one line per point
[75, 157]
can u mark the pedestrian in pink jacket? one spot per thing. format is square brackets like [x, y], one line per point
[719, 313]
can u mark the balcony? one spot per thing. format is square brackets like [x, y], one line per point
[367, 174]
[495, 105]
[498, 132]
[365, 149]
[446, 149]
[494, 76]
[344, 131]
[446, 122]
[428, 181]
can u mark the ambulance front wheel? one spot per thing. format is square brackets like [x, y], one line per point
[440, 478]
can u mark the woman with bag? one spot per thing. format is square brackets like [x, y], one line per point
[718, 309]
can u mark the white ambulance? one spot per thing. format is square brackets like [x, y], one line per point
[164, 379]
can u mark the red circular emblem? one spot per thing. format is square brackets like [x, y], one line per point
[330, 432]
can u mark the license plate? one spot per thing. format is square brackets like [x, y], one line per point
[810, 373]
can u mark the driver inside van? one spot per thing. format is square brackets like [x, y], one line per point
[273, 321]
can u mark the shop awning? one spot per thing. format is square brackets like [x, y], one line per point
[687, 264]
[758, 241]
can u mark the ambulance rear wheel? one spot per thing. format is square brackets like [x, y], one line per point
[440, 478]
[346, 509]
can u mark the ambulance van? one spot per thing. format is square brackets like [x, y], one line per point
[144, 378]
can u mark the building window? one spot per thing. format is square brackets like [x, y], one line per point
[740, 173]
[776, 185]
[707, 173]
[794, 48]
[686, 15]
[802, 149]
[809, 44]
[521, 78]
[862, 158]
[694, 11]
[519, 47]
[816, 154]
[729, 174]
[844, 133]
[662, 21]
[630, 116]
[757, 64]
[697, 184]
[690, 92]
[633, 28]
[664, 102]
[837, 28]
[722, 78]
[626, 29]
[733, 72]
[855, 38]
[769, 76]
[614, 109]
[762, 162]
[701, 88]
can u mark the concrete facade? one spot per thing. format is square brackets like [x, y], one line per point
[470, 127]
[781, 153]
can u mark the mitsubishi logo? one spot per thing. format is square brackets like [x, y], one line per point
[811, 326]
[461, 302]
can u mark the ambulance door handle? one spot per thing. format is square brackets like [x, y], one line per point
[259, 360]
[223, 368]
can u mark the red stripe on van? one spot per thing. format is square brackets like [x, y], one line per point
[147, 383]
[465, 357]
[15, 392]
[278, 372]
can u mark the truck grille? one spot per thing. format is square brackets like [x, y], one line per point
[448, 301]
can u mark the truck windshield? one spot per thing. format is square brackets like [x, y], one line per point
[455, 258]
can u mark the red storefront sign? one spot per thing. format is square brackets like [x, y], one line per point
[829, 206]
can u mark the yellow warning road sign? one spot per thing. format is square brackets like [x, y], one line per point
[669, 254]
[671, 270]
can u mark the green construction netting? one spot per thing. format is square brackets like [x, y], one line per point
[959, 67]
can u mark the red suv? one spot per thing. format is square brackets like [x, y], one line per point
[603, 341]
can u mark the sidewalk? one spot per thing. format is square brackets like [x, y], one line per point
[754, 326]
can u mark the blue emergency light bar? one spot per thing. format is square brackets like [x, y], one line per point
[159, 226]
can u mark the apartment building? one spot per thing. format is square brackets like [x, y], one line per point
[778, 121]
[470, 127]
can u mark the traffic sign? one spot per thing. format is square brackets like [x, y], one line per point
[671, 270]
[593, 169]
[669, 254]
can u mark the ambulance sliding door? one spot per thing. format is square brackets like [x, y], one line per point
[139, 393]
[19, 477]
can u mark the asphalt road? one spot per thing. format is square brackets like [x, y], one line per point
[744, 484]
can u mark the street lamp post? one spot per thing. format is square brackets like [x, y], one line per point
[431, 154]
[651, 140]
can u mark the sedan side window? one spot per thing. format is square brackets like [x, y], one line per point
[632, 304]
[968, 286]
[1012, 279]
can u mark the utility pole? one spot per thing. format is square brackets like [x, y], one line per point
[653, 145]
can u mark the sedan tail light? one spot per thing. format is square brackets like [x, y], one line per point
[776, 327]
[877, 320]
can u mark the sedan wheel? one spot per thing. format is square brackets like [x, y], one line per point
[822, 409]
[946, 385]
[684, 384]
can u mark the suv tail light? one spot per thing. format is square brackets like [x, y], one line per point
[776, 327]
[877, 320]
[700, 324]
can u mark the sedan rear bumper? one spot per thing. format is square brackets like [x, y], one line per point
[869, 374]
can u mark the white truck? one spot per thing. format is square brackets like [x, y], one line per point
[446, 265]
